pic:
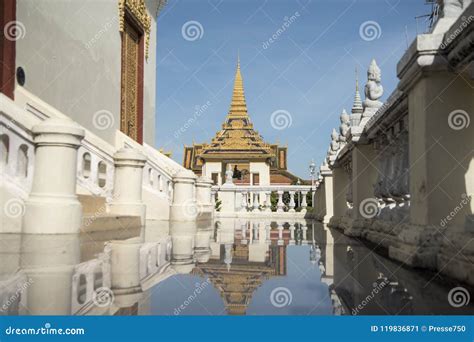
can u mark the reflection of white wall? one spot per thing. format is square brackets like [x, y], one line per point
[212, 167]
[263, 170]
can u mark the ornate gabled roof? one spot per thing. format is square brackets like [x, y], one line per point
[237, 135]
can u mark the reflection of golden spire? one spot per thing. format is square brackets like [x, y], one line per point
[238, 106]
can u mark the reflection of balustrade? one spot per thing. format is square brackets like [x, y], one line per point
[13, 294]
[392, 186]
[259, 198]
[154, 257]
[87, 278]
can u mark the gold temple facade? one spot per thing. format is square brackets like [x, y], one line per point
[254, 161]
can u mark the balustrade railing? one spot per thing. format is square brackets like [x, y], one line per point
[271, 198]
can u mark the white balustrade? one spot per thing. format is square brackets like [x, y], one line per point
[258, 199]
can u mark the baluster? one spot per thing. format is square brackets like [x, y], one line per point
[256, 236]
[268, 201]
[304, 228]
[256, 201]
[280, 205]
[244, 203]
[304, 204]
[280, 234]
[292, 233]
[268, 229]
[292, 202]
[243, 228]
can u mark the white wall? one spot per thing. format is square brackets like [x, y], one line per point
[71, 56]
[264, 171]
[212, 167]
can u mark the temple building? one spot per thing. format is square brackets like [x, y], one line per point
[254, 161]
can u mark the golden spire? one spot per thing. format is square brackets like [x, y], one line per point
[238, 106]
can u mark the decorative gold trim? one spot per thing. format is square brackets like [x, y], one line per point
[139, 12]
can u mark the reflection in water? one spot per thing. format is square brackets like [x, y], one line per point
[231, 266]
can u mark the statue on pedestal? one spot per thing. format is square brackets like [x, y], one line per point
[373, 90]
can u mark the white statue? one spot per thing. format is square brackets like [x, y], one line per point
[373, 88]
[344, 127]
[451, 8]
[334, 142]
[228, 174]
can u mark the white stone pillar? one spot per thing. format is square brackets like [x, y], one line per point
[52, 206]
[128, 180]
[203, 194]
[125, 271]
[184, 202]
[280, 205]
[292, 202]
[183, 236]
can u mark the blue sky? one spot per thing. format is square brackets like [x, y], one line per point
[308, 71]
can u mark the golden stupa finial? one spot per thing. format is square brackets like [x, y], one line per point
[238, 105]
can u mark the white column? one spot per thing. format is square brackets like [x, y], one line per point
[292, 202]
[203, 194]
[184, 203]
[127, 193]
[52, 206]
[125, 271]
[280, 205]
